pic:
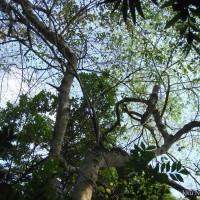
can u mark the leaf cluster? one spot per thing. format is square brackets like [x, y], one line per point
[185, 16]
[142, 164]
[39, 184]
[25, 135]
[80, 127]
[129, 5]
[6, 138]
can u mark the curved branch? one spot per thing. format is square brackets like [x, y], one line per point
[186, 128]
[117, 105]
[161, 127]
[171, 139]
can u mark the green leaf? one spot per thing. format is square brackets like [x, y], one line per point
[163, 167]
[187, 50]
[155, 2]
[110, 1]
[183, 30]
[189, 68]
[139, 8]
[150, 148]
[137, 148]
[173, 177]
[197, 173]
[179, 177]
[196, 29]
[157, 167]
[196, 49]
[132, 10]
[143, 145]
[178, 166]
[184, 171]
[195, 12]
[168, 166]
[108, 190]
[125, 10]
[148, 155]
[116, 6]
[174, 167]
[164, 158]
[173, 20]
[197, 38]
[163, 178]
[168, 3]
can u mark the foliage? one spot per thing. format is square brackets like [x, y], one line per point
[139, 163]
[185, 16]
[80, 132]
[147, 178]
[37, 186]
[29, 130]
[111, 91]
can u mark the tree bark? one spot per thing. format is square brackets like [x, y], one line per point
[90, 167]
[62, 114]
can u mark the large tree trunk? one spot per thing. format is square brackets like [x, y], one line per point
[62, 111]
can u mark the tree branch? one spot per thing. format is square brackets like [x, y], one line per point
[190, 194]
[186, 128]
[117, 106]
[171, 139]
[166, 98]
[151, 104]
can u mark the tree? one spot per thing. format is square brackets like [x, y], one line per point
[108, 141]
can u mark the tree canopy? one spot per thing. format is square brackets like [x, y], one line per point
[100, 99]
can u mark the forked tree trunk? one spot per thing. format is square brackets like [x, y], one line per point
[90, 167]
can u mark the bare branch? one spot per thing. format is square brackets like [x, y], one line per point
[166, 99]
[161, 127]
[117, 106]
[186, 128]
[151, 104]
